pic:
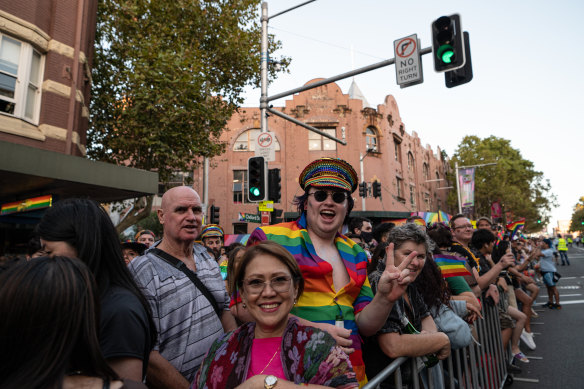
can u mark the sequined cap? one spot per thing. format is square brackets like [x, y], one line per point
[211, 230]
[329, 173]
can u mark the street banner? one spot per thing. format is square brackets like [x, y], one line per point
[467, 184]
[496, 211]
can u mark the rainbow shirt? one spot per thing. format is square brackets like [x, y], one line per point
[319, 302]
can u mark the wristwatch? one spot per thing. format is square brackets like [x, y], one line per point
[270, 382]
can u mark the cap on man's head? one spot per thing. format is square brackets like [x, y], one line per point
[548, 242]
[329, 173]
[212, 230]
[139, 248]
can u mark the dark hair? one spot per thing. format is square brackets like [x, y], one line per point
[378, 254]
[33, 245]
[455, 217]
[231, 266]
[381, 230]
[441, 234]
[481, 237]
[432, 286]
[232, 246]
[357, 222]
[50, 310]
[300, 202]
[86, 226]
[499, 250]
[268, 247]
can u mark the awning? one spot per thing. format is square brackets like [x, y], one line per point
[27, 172]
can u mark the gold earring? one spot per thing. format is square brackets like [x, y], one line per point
[243, 305]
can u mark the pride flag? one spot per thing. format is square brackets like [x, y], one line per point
[515, 226]
[451, 266]
[27, 205]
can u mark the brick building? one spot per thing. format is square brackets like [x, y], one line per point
[410, 174]
[46, 49]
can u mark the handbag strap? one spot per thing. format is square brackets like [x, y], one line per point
[180, 265]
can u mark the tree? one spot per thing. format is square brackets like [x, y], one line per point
[577, 223]
[167, 76]
[513, 180]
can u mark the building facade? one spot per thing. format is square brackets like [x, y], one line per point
[411, 175]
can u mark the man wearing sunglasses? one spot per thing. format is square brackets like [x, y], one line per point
[337, 296]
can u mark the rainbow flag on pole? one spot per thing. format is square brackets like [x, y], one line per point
[451, 266]
[27, 205]
[515, 226]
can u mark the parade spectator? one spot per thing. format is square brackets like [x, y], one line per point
[338, 297]
[381, 232]
[34, 248]
[548, 270]
[563, 250]
[238, 310]
[363, 228]
[273, 350]
[49, 308]
[145, 237]
[132, 249]
[81, 228]
[184, 288]
[212, 238]
[484, 223]
[409, 330]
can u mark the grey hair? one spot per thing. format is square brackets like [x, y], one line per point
[410, 232]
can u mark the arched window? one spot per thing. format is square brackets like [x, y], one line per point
[410, 161]
[425, 172]
[246, 141]
[371, 140]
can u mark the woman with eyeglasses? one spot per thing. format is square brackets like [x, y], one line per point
[274, 350]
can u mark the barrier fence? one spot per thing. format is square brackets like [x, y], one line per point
[480, 365]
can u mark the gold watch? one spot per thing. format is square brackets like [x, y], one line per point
[270, 382]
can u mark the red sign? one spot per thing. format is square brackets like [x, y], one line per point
[265, 218]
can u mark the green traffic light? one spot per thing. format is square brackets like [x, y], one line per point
[446, 53]
[254, 191]
[539, 221]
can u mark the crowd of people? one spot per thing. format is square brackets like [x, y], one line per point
[300, 304]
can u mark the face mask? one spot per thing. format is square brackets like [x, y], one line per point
[366, 236]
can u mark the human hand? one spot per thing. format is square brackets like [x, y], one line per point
[341, 335]
[394, 280]
[507, 260]
[444, 351]
[493, 293]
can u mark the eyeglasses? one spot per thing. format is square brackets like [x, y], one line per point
[321, 195]
[280, 284]
[466, 226]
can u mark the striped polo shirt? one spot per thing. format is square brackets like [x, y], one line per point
[320, 302]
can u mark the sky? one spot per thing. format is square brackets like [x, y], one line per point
[528, 66]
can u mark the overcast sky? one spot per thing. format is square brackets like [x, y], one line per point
[528, 64]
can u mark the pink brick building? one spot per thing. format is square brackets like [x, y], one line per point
[410, 174]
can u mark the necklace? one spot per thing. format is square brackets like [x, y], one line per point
[269, 362]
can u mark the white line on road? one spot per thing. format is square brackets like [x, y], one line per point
[571, 302]
[520, 379]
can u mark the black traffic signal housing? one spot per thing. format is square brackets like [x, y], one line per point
[256, 179]
[447, 43]
[274, 185]
[464, 74]
[277, 216]
[363, 189]
[376, 189]
[214, 215]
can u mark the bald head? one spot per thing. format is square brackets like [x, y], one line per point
[181, 214]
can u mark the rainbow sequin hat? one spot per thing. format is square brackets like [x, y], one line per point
[211, 230]
[329, 173]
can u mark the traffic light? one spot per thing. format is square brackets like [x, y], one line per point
[214, 215]
[274, 185]
[277, 216]
[363, 189]
[256, 179]
[538, 221]
[464, 74]
[376, 189]
[447, 45]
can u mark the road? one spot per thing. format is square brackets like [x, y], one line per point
[558, 360]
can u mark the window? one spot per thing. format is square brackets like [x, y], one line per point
[247, 140]
[20, 79]
[319, 142]
[371, 139]
[400, 193]
[425, 172]
[397, 149]
[240, 186]
[412, 195]
[240, 228]
[427, 202]
[180, 179]
[437, 176]
[410, 161]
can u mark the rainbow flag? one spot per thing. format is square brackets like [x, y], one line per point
[27, 205]
[443, 216]
[515, 226]
[451, 266]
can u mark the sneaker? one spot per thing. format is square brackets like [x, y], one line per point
[521, 357]
[547, 305]
[556, 306]
[527, 338]
[511, 368]
[533, 313]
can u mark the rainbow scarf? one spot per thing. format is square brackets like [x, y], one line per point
[450, 265]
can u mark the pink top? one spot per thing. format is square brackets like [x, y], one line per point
[262, 352]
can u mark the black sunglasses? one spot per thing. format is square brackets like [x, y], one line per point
[321, 195]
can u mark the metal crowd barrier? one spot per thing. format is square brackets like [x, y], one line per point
[479, 365]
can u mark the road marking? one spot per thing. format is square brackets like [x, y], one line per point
[571, 302]
[529, 357]
[534, 380]
[536, 322]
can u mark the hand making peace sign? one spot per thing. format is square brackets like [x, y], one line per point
[394, 280]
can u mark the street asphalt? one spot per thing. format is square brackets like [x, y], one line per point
[558, 360]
